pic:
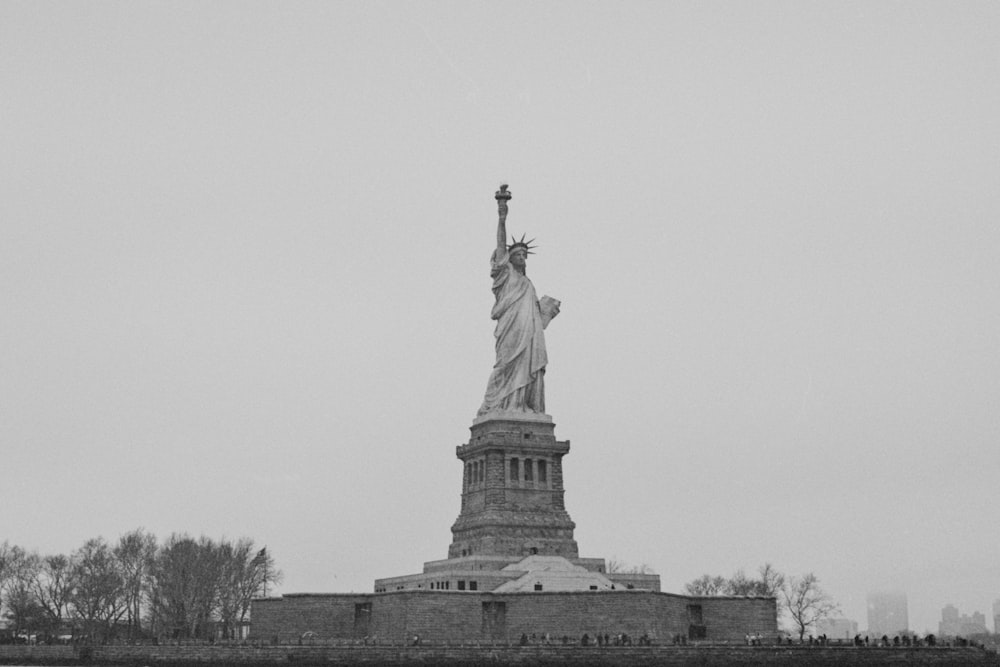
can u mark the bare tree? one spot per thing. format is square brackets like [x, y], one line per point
[768, 584]
[186, 575]
[236, 559]
[135, 553]
[771, 581]
[265, 572]
[707, 585]
[99, 592]
[5, 567]
[209, 581]
[21, 570]
[52, 588]
[806, 603]
[199, 582]
[245, 575]
[186, 585]
[740, 584]
[616, 566]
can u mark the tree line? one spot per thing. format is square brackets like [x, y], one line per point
[134, 589]
[801, 599]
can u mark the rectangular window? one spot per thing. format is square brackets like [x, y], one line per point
[515, 470]
[495, 620]
[461, 584]
[543, 472]
[694, 614]
[362, 619]
[473, 585]
[528, 470]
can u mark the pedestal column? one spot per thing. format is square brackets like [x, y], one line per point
[512, 491]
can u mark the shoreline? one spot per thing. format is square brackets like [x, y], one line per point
[469, 656]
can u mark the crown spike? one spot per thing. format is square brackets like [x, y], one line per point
[515, 243]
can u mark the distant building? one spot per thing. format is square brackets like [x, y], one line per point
[979, 623]
[996, 616]
[950, 621]
[837, 628]
[954, 624]
[887, 614]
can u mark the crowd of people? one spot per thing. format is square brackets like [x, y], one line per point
[904, 640]
[898, 641]
[751, 638]
[597, 639]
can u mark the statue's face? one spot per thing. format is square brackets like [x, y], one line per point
[518, 257]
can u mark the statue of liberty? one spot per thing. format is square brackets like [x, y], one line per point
[517, 383]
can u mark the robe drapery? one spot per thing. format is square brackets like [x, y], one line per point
[517, 380]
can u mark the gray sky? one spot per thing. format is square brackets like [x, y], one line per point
[244, 263]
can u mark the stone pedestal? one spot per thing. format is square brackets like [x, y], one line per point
[512, 490]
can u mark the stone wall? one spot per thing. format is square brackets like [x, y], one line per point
[19, 654]
[731, 618]
[444, 616]
[627, 580]
[635, 613]
[288, 618]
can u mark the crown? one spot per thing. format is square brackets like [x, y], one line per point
[521, 244]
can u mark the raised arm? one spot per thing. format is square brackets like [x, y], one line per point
[502, 229]
[502, 197]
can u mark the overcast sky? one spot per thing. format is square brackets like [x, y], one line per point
[244, 279]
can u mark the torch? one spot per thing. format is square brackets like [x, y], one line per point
[502, 196]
